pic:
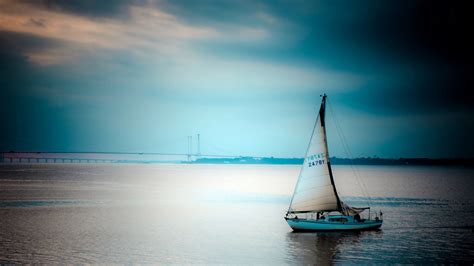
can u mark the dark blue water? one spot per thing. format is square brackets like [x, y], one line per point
[86, 213]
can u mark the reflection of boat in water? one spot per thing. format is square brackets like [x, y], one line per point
[318, 248]
[327, 248]
[315, 198]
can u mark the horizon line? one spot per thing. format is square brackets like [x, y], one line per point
[222, 155]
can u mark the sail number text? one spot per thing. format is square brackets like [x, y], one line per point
[315, 159]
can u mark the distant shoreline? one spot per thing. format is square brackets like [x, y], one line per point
[52, 157]
[338, 161]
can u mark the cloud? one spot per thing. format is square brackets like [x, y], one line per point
[147, 29]
[90, 8]
[417, 56]
[241, 78]
[81, 62]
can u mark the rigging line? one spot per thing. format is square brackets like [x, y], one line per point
[348, 151]
[339, 130]
[346, 148]
[354, 168]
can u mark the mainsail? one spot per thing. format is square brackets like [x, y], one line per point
[315, 190]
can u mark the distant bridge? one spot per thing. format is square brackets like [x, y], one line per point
[103, 157]
[109, 156]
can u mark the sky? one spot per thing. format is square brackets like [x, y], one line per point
[141, 76]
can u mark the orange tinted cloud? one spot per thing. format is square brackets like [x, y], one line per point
[145, 28]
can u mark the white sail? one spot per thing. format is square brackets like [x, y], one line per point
[315, 190]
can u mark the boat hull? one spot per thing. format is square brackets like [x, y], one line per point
[321, 225]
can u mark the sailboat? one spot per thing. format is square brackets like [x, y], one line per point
[315, 199]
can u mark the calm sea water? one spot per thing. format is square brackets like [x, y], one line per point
[113, 213]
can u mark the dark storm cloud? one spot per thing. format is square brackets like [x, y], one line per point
[435, 93]
[418, 53]
[16, 44]
[428, 51]
[18, 75]
[92, 8]
[213, 12]
[27, 123]
[431, 30]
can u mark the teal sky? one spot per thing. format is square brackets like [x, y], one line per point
[140, 76]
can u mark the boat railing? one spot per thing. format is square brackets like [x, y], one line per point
[313, 216]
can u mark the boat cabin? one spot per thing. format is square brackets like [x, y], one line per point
[339, 219]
